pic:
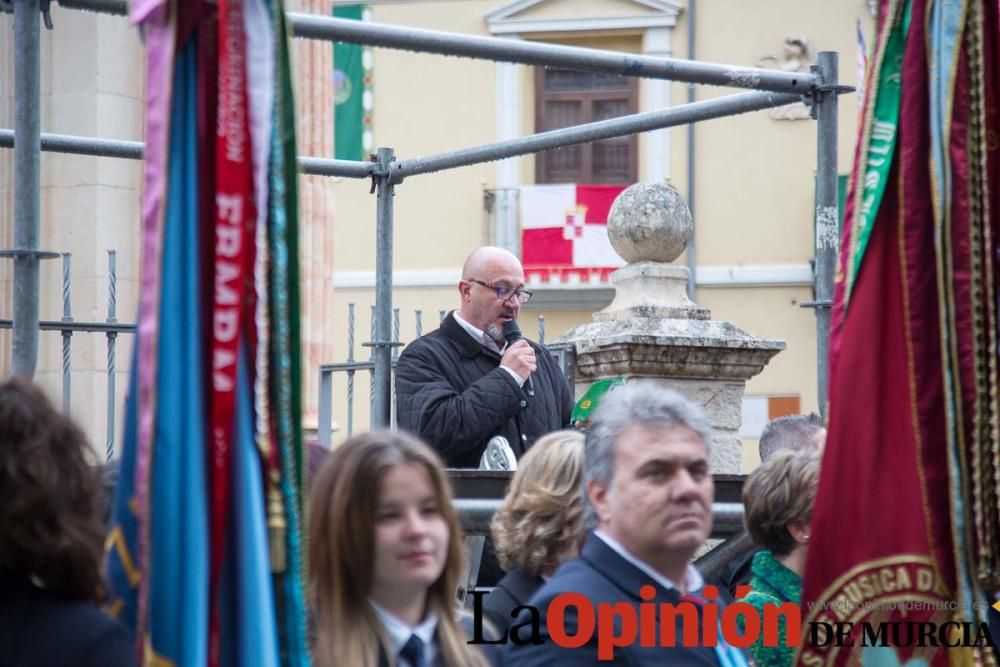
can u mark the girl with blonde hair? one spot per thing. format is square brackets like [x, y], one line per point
[385, 553]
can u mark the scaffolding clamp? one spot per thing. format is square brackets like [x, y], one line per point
[7, 6]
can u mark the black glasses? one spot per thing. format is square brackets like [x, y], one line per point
[504, 292]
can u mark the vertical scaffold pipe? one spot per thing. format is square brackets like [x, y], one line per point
[27, 152]
[827, 216]
[382, 343]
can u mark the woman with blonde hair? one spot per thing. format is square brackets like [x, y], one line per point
[385, 553]
[539, 524]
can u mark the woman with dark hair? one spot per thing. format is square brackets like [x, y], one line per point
[385, 552]
[51, 541]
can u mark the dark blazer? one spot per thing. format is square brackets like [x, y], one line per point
[465, 621]
[39, 628]
[451, 391]
[600, 575]
[735, 573]
[514, 590]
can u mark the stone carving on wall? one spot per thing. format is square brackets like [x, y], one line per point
[797, 56]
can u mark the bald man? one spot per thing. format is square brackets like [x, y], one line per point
[462, 384]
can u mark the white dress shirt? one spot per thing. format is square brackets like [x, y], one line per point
[399, 631]
[693, 581]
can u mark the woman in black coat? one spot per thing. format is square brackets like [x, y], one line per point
[539, 524]
[51, 541]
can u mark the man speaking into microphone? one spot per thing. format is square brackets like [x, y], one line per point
[476, 376]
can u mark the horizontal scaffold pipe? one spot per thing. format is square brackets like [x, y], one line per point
[549, 55]
[475, 515]
[66, 143]
[133, 150]
[104, 6]
[605, 129]
[521, 51]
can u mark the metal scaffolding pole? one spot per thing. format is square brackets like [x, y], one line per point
[616, 127]
[319, 166]
[826, 223]
[382, 344]
[521, 51]
[133, 150]
[27, 183]
[548, 55]
[74, 145]
[119, 7]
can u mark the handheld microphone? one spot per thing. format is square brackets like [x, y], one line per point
[512, 334]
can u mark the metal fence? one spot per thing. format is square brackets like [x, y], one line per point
[564, 354]
[67, 327]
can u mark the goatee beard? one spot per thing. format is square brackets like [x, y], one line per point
[496, 333]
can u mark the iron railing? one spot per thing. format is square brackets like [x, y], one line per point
[67, 327]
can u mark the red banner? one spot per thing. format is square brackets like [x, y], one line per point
[234, 224]
[902, 560]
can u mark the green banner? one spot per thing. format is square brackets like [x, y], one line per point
[880, 141]
[349, 84]
[585, 407]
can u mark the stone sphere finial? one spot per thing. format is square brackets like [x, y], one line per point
[649, 222]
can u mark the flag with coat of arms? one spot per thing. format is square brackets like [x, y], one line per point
[564, 228]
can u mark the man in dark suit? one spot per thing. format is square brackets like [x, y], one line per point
[464, 383]
[649, 492]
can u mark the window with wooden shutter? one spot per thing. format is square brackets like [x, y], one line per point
[567, 97]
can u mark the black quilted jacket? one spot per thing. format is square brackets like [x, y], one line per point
[451, 391]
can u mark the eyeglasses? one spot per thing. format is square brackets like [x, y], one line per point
[504, 292]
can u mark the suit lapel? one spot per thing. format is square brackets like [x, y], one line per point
[630, 579]
[622, 573]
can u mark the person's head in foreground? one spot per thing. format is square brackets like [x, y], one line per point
[778, 499]
[540, 522]
[50, 498]
[646, 475]
[385, 552]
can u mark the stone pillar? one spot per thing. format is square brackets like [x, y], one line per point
[652, 329]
